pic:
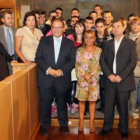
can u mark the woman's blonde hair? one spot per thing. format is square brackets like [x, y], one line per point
[89, 32]
[134, 21]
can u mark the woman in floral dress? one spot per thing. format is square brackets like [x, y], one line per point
[87, 72]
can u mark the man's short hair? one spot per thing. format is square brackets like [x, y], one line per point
[88, 18]
[100, 20]
[97, 5]
[41, 12]
[107, 11]
[59, 8]
[118, 20]
[74, 17]
[57, 19]
[92, 12]
[75, 9]
[5, 11]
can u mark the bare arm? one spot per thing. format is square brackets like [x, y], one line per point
[18, 40]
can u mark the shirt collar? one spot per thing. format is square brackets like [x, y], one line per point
[119, 40]
[6, 27]
[58, 37]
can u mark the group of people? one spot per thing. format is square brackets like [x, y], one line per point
[79, 61]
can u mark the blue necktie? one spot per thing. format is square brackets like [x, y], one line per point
[9, 43]
[57, 49]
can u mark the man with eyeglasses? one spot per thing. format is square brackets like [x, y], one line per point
[7, 34]
[55, 58]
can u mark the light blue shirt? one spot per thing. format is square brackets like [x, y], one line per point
[57, 46]
[56, 50]
[11, 33]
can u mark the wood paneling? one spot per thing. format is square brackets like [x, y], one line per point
[19, 104]
[6, 112]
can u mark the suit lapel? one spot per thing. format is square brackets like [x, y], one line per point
[4, 38]
[121, 45]
[51, 45]
[113, 46]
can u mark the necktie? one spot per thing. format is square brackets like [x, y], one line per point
[9, 42]
[57, 48]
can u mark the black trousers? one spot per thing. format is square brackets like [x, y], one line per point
[121, 97]
[47, 97]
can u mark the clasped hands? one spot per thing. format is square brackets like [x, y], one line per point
[55, 73]
[88, 77]
[114, 78]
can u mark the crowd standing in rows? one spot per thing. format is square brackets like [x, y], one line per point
[80, 61]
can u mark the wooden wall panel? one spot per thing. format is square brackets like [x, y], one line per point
[6, 115]
[21, 107]
[20, 97]
[33, 100]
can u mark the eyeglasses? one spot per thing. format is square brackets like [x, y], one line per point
[57, 28]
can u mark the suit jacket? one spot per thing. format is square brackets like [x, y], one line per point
[5, 53]
[125, 64]
[45, 58]
[2, 36]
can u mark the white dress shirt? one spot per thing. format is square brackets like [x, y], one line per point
[55, 50]
[116, 47]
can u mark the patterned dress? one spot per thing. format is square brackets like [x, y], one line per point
[87, 62]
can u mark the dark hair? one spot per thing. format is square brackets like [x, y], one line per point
[5, 11]
[89, 18]
[74, 17]
[107, 11]
[97, 5]
[27, 15]
[52, 11]
[59, 8]
[92, 12]
[41, 12]
[75, 9]
[57, 19]
[132, 15]
[99, 20]
[74, 34]
[35, 12]
[118, 20]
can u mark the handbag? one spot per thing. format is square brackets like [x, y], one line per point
[4, 72]
[137, 71]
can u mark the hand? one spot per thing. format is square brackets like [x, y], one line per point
[89, 81]
[58, 73]
[51, 72]
[27, 62]
[112, 78]
[14, 61]
[118, 79]
[87, 77]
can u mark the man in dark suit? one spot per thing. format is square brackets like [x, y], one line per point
[118, 61]
[55, 58]
[7, 30]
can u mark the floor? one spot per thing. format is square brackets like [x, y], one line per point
[56, 134]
